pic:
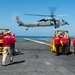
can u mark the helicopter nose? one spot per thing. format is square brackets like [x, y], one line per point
[66, 23]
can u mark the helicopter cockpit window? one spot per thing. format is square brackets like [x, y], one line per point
[42, 20]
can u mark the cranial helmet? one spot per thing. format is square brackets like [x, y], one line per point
[8, 32]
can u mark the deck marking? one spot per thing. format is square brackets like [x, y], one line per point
[42, 43]
[47, 63]
[38, 42]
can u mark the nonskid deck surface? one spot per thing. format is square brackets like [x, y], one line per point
[35, 58]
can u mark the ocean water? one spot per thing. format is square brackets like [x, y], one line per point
[46, 39]
[33, 36]
[71, 37]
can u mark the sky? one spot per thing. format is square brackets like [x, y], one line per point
[11, 8]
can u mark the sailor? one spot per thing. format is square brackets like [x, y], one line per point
[57, 44]
[13, 43]
[74, 44]
[1, 35]
[65, 41]
[7, 42]
[69, 44]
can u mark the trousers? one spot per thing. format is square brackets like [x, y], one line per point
[57, 49]
[6, 51]
[65, 49]
[74, 49]
[13, 49]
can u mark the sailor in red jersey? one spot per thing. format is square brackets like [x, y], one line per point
[13, 43]
[7, 42]
[74, 44]
[65, 41]
[57, 44]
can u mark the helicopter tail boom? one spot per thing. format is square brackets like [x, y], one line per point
[19, 22]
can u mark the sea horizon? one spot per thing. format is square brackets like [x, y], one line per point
[33, 36]
[71, 37]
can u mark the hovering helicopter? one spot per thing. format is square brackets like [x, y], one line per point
[51, 21]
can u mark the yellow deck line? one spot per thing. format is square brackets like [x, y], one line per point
[42, 43]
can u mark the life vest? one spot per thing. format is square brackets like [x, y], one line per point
[57, 40]
[7, 40]
[65, 40]
[74, 42]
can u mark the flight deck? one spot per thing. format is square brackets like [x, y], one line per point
[35, 58]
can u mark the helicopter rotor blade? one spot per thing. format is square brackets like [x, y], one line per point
[66, 15]
[51, 15]
[52, 10]
[37, 15]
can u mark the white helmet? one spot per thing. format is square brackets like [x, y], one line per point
[8, 32]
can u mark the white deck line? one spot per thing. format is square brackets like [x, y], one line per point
[38, 41]
[42, 42]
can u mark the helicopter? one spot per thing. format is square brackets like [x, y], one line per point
[56, 22]
[50, 21]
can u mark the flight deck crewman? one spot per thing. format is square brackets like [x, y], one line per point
[57, 44]
[74, 44]
[65, 41]
[13, 43]
[7, 42]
